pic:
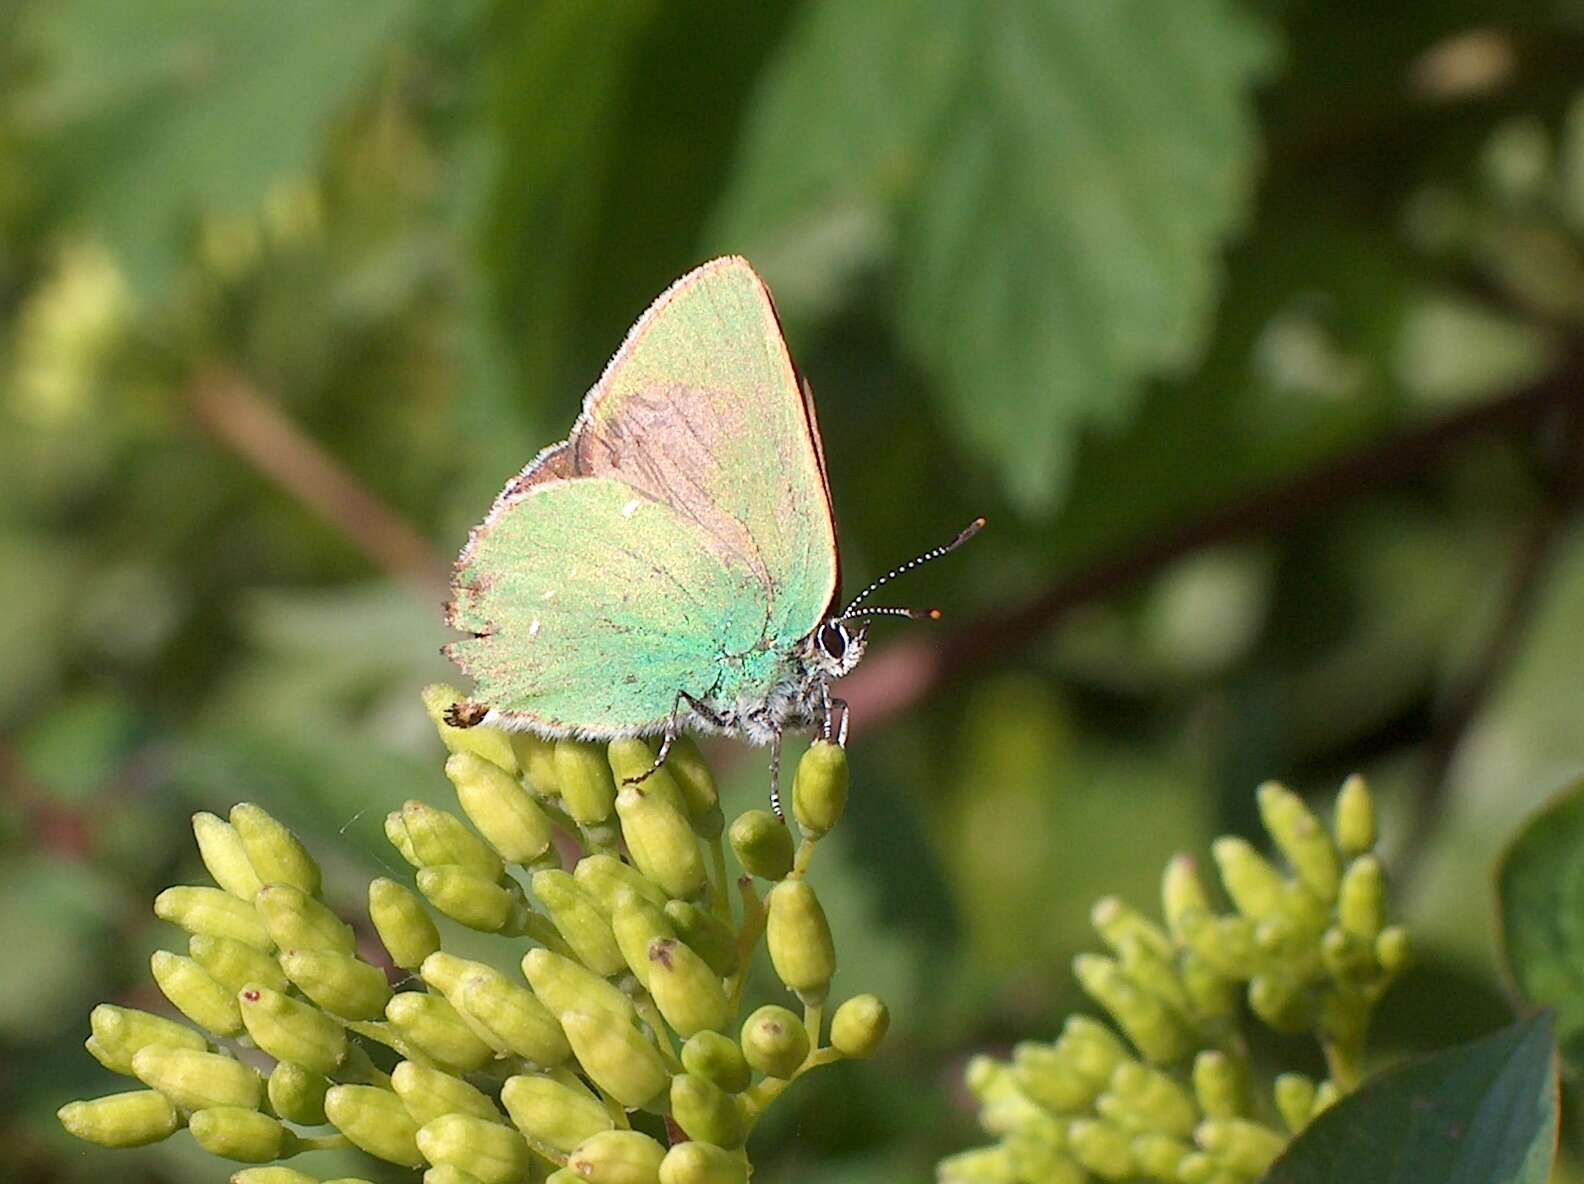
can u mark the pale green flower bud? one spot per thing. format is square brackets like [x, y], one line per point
[662, 844]
[290, 1030]
[617, 1157]
[1145, 1099]
[859, 1026]
[133, 1119]
[1326, 1096]
[430, 1093]
[632, 760]
[636, 923]
[605, 877]
[588, 792]
[799, 939]
[1154, 1031]
[762, 844]
[1361, 903]
[981, 1165]
[434, 838]
[505, 813]
[296, 921]
[774, 1041]
[1198, 1168]
[1301, 838]
[246, 1136]
[1246, 1147]
[1156, 974]
[492, 744]
[120, 1033]
[214, 912]
[1182, 894]
[339, 983]
[482, 1147]
[195, 993]
[616, 1056]
[1295, 1099]
[563, 1176]
[578, 918]
[700, 1163]
[1226, 944]
[1091, 1048]
[435, 1027]
[376, 1121]
[710, 937]
[706, 1112]
[1355, 818]
[552, 1113]
[234, 965]
[275, 853]
[1393, 950]
[1122, 927]
[1347, 958]
[1004, 1108]
[449, 1174]
[471, 899]
[819, 792]
[405, 928]
[511, 1020]
[536, 760]
[1281, 1003]
[1253, 884]
[297, 1094]
[1158, 1156]
[562, 985]
[717, 1059]
[687, 992]
[1102, 1147]
[223, 854]
[1220, 1085]
[196, 1080]
[1046, 1076]
[693, 774]
[282, 1175]
[1214, 999]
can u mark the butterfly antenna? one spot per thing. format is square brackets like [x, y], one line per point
[852, 610]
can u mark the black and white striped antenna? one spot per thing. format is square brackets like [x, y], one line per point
[917, 614]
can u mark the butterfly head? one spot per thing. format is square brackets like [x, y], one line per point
[835, 648]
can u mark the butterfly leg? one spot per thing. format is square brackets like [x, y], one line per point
[670, 736]
[832, 705]
[775, 775]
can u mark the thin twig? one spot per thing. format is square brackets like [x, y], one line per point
[894, 680]
[240, 416]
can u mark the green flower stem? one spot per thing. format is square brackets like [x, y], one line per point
[757, 1098]
[381, 1032]
[813, 1019]
[753, 927]
[360, 1069]
[322, 1143]
[804, 856]
[720, 892]
[650, 1014]
[1344, 1064]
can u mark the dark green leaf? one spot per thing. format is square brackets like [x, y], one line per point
[1482, 1113]
[1540, 886]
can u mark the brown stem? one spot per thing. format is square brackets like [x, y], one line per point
[254, 427]
[894, 680]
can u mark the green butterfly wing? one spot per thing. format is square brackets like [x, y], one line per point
[727, 561]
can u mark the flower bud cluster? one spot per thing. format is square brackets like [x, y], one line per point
[1165, 1092]
[603, 1040]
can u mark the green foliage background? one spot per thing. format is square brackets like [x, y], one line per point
[288, 290]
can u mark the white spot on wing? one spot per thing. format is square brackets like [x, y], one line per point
[533, 628]
[630, 508]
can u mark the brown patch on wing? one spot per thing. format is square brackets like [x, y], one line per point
[465, 714]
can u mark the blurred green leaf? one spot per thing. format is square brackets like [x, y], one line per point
[1480, 1113]
[164, 110]
[1540, 891]
[52, 911]
[1062, 177]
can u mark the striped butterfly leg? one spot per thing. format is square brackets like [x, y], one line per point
[699, 709]
[775, 775]
[832, 706]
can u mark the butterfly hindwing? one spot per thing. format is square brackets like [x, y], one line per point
[593, 606]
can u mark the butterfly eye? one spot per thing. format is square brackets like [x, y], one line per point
[833, 640]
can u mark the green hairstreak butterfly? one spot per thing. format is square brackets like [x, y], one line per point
[673, 563]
